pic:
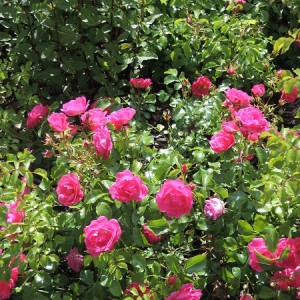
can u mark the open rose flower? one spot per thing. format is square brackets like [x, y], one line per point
[221, 141]
[74, 260]
[175, 198]
[58, 122]
[4, 290]
[128, 187]
[102, 142]
[289, 97]
[258, 90]
[121, 117]
[230, 127]
[285, 279]
[68, 190]
[201, 86]
[140, 83]
[36, 115]
[236, 98]
[94, 119]
[75, 107]
[186, 292]
[214, 208]
[14, 215]
[101, 235]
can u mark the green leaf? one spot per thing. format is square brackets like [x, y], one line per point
[103, 209]
[170, 78]
[162, 171]
[159, 226]
[267, 293]
[93, 196]
[244, 227]
[271, 237]
[196, 264]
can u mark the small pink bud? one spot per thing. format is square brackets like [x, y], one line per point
[246, 297]
[231, 71]
[184, 168]
[172, 279]
[48, 154]
[85, 143]
[192, 186]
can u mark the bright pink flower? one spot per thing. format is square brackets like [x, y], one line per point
[258, 245]
[230, 127]
[102, 142]
[140, 83]
[184, 168]
[13, 215]
[94, 119]
[221, 141]
[74, 260]
[214, 208]
[150, 236]
[231, 71]
[121, 117]
[185, 293]
[236, 98]
[36, 115]
[201, 86]
[246, 297]
[258, 90]
[58, 122]
[72, 129]
[101, 235]
[4, 290]
[140, 288]
[287, 278]
[13, 277]
[292, 260]
[175, 198]
[128, 187]
[68, 190]
[75, 107]
[240, 1]
[289, 97]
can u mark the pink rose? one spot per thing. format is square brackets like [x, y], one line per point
[58, 122]
[201, 86]
[291, 261]
[68, 190]
[75, 107]
[4, 290]
[288, 278]
[230, 127]
[175, 198]
[289, 97]
[94, 119]
[36, 115]
[171, 280]
[150, 236]
[236, 98]
[101, 235]
[102, 142]
[259, 245]
[185, 293]
[139, 288]
[13, 277]
[13, 215]
[128, 187]
[221, 141]
[252, 120]
[258, 90]
[121, 117]
[74, 260]
[231, 71]
[246, 297]
[214, 208]
[140, 83]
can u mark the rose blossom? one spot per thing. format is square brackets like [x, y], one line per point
[4, 290]
[58, 122]
[221, 141]
[186, 292]
[75, 107]
[74, 260]
[236, 98]
[140, 83]
[13, 215]
[289, 97]
[101, 235]
[214, 208]
[285, 279]
[171, 279]
[201, 86]
[102, 142]
[68, 190]
[141, 292]
[121, 117]
[36, 115]
[150, 236]
[94, 119]
[231, 71]
[230, 127]
[258, 90]
[128, 187]
[292, 260]
[246, 297]
[175, 198]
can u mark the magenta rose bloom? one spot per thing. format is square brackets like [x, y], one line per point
[75, 107]
[288, 278]
[94, 119]
[292, 260]
[252, 120]
[185, 293]
[221, 141]
[140, 83]
[258, 90]
[4, 290]
[58, 122]
[68, 190]
[246, 297]
[214, 208]
[289, 97]
[230, 127]
[101, 235]
[36, 115]
[236, 98]
[128, 187]
[201, 86]
[74, 260]
[121, 117]
[150, 236]
[175, 198]
[102, 142]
